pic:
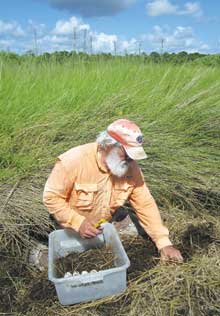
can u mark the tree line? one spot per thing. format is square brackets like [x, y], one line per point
[153, 57]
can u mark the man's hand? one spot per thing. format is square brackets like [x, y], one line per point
[170, 253]
[88, 230]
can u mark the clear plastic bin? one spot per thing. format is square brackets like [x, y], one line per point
[82, 288]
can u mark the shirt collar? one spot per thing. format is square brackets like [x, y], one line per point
[101, 166]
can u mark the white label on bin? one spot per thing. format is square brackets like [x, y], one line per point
[87, 283]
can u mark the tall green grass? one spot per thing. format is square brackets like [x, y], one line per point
[48, 108]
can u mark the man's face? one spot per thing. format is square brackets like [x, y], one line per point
[118, 161]
[123, 155]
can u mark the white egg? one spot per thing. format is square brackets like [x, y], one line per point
[76, 273]
[84, 272]
[67, 275]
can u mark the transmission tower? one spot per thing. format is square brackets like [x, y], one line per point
[35, 41]
[115, 48]
[162, 45]
[74, 39]
[91, 42]
[84, 40]
[139, 47]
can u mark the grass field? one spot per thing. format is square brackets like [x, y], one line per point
[48, 108]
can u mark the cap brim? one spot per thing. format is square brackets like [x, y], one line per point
[135, 153]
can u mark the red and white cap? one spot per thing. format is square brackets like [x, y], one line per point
[129, 135]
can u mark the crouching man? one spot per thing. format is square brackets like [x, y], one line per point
[90, 182]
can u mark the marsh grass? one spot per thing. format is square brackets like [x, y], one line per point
[48, 108]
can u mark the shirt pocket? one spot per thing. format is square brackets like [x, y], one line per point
[121, 194]
[85, 194]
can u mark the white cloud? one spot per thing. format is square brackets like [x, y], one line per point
[66, 27]
[101, 42]
[181, 33]
[130, 45]
[11, 28]
[192, 8]
[5, 44]
[54, 39]
[60, 37]
[205, 47]
[179, 39]
[165, 7]
[104, 42]
[160, 7]
[92, 7]
[39, 28]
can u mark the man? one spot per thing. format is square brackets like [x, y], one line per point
[90, 182]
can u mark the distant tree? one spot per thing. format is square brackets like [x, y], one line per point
[155, 57]
[181, 57]
[196, 55]
[166, 57]
[29, 52]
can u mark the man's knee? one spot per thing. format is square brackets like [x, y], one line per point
[120, 214]
[135, 220]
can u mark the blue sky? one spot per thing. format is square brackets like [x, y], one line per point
[128, 25]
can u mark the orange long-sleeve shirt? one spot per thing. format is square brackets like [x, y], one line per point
[80, 187]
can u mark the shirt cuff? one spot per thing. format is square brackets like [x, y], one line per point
[163, 242]
[76, 221]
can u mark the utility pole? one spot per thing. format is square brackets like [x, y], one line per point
[35, 42]
[115, 48]
[139, 48]
[162, 45]
[84, 40]
[91, 39]
[74, 39]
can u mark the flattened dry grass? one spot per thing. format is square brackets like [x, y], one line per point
[93, 259]
[190, 288]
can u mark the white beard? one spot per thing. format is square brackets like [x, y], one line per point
[117, 166]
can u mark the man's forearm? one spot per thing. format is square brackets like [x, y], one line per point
[149, 216]
[151, 221]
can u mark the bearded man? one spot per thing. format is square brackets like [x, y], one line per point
[92, 181]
